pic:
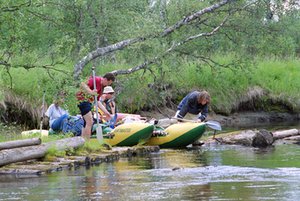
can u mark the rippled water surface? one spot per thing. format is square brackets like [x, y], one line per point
[210, 173]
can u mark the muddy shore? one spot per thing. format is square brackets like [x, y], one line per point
[238, 120]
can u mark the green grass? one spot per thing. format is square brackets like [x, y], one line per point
[227, 85]
[281, 77]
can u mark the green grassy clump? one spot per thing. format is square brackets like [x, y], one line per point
[91, 146]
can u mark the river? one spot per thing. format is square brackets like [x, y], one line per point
[218, 172]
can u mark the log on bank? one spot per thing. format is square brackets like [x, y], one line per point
[20, 154]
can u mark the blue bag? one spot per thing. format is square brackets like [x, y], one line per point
[73, 124]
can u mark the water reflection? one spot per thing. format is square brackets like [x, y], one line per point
[210, 173]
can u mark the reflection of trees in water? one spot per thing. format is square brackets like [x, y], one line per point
[140, 162]
[102, 183]
[266, 150]
[174, 174]
[201, 156]
[113, 182]
[196, 192]
[181, 158]
[125, 178]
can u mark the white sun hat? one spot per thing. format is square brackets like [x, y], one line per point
[108, 90]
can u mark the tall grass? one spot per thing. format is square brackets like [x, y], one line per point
[281, 77]
[171, 80]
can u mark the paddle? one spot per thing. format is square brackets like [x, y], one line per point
[212, 124]
[99, 133]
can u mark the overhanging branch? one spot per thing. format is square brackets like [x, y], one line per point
[117, 46]
[101, 52]
[146, 64]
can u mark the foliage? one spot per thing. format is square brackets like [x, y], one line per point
[42, 40]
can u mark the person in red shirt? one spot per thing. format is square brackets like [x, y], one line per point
[86, 95]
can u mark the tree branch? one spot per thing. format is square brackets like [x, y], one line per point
[101, 52]
[117, 46]
[16, 7]
[194, 16]
[155, 59]
[29, 66]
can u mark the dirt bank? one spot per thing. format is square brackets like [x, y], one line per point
[239, 120]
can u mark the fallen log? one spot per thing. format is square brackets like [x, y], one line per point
[285, 133]
[293, 138]
[20, 143]
[9, 156]
[261, 138]
[242, 138]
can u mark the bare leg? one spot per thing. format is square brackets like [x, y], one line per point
[86, 131]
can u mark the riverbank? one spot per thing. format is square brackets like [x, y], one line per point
[37, 167]
[239, 120]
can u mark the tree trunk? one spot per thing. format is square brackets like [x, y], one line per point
[243, 138]
[285, 133]
[34, 152]
[20, 143]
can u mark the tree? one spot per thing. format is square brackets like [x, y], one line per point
[122, 44]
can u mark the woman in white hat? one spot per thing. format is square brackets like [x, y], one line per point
[107, 100]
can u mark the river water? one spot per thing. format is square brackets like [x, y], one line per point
[216, 172]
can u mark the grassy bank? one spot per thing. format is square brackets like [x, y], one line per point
[268, 80]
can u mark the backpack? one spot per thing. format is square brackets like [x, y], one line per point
[73, 124]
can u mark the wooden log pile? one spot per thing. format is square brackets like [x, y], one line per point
[19, 158]
[23, 150]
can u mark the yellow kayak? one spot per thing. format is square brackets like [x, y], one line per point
[130, 134]
[178, 135]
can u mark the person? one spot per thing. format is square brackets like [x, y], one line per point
[108, 102]
[195, 103]
[56, 113]
[85, 97]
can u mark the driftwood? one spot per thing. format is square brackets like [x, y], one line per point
[243, 138]
[285, 133]
[34, 152]
[261, 138]
[294, 138]
[20, 143]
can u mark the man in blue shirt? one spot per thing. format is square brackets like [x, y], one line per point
[195, 103]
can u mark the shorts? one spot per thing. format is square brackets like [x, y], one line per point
[85, 107]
